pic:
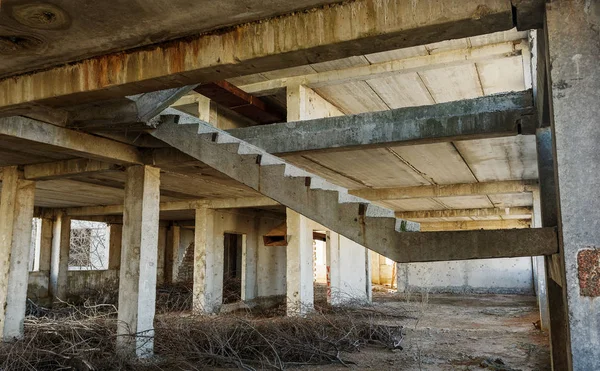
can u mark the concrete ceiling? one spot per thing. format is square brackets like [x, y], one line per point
[40, 34]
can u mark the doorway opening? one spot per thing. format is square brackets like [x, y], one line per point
[232, 268]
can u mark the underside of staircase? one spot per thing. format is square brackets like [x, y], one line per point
[332, 206]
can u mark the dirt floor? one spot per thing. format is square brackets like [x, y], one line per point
[398, 332]
[451, 332]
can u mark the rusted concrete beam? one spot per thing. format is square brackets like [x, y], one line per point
[237, 100]
[334, 32]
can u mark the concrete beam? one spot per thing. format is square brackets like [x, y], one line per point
[438, 60]
[134, 112]
[455, 213]
[16, 212]
[62, 169]
[237, 100]
[447, 190]
[81, 144]
[487, 117]
[482, 244]
[59, 260]
[208, 280]
[334, 32]
[468, 225]
[139, 253]
[299, 267]
[215, 203]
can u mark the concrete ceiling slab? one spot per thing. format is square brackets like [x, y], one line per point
[63, 31]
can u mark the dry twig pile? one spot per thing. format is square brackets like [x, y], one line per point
[75, 338]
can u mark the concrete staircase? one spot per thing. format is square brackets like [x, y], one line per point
[312, 196]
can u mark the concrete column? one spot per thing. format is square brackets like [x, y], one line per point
[46, 244]
[59, 266]
[574, 50]
[16, 213]
[553, 264]
[161, 255]
[299, 267]
[114, 249]
[250, 264]
[303, 103]
[349, 269]
[208, 275]
[539, 269]
[375, 278]
[172, 254]
[139, 249]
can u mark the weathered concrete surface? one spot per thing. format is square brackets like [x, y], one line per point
[78, 143]
[335, 32]
[479, 244]
[114, 249]
[574, 52]
[349, 270]
[540, 276]
[216, 203]
[208, 278]
[488, 117]
[53, 170]
[455, 213]
[59, 261]
[471, 225]
[299, 257]
[446, 190]
[16, 212]
[312, 196]
[490, 276]
[137, 280]
[67, 34]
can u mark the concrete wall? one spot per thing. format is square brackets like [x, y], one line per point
[266, 265]
[497, 276]
[271, 263]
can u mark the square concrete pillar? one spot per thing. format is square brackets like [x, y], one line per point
[250, 264]
[46, 244]
[574, 51]
[137, 278]
[539, 269]
[16, 213]
[172, 254]
[299, 268]
[348, 267]
[208, 273]
[114, 246]
[59, 261]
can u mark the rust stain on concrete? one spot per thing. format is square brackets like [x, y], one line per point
[588, 265]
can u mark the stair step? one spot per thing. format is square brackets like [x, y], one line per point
[368, 224]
